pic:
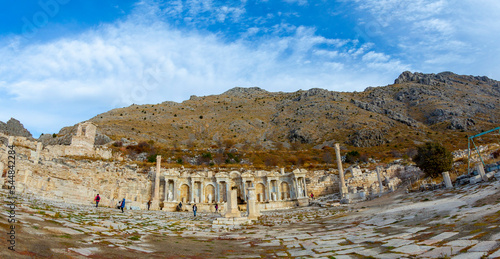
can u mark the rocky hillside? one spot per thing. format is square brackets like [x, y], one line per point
[417, 107]
[14, 128]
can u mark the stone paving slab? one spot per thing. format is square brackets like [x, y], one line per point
[440, 252]
[390, 256]
[462, 243]
[474, 255]
[495, 237]
[495, 254]
[444, 235]
[412, 249]
[368, 252]
[63, 230]
[484, 246]
[85, 251]
[296, 252]
[140, 249]
[397, 242]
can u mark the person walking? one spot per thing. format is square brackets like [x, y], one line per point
[216, 208]
[195, 208]
[122, 205]
[312, 196]
[149, 204]
[97, 199]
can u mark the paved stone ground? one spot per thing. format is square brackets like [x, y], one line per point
[458, 223]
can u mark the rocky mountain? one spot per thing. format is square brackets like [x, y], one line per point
[14, 128]
[417, 107]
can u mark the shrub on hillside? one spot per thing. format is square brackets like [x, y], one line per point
[433, 159]
[352, 156]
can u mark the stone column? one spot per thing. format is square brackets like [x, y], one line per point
[166, 190]
[244, 191]
[282, 170]
[38, 151]
[174, 191]
[232, 205]
[268, 187]
[253, 211]
[447, 180]
[295, 188]
[343, 188]
[217, 196]
[157, 178]
[228, 190]
[155, 204]
[191, 190]
[305, 186]
[381, 187]
[278, 190]
[480, 170]
[202, 186]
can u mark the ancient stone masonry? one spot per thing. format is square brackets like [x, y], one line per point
[272, 189]
[82, 144]
[49, 172]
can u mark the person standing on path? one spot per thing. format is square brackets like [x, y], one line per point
[122, 205]
[97, 199]
[149, 204]
[216, 208]
[195, 208]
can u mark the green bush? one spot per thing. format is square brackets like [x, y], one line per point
[352, 156]
[433, 159]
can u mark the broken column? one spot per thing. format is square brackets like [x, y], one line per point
[232, 205]
[343, 188]
[156, 194]
[253, 212]
[447, 180]
[480, 170]
[380, 185]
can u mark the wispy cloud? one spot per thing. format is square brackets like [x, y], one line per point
[147, 58]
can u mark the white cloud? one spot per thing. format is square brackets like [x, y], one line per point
[144, 60]
[436, 35]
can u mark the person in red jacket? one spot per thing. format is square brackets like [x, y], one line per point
[97, 199]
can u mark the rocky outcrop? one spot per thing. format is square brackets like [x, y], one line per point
[368, 138]
[14, 128]
[245, 91]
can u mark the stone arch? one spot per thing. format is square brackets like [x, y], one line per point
[260, 192]
[184, 193]
[285, 190]
[209, 189]
[234, 174]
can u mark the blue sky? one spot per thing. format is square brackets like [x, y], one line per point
[65, 61]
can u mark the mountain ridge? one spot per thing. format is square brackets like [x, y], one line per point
[443, 103]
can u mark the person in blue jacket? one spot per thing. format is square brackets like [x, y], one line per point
[122, 205]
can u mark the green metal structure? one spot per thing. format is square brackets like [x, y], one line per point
[471, 139]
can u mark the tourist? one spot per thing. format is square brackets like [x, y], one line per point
[195, 209]
[97, 199]
[122, 205]
[149, 204]
[180, 206]
[312, 196]
[216, 208]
